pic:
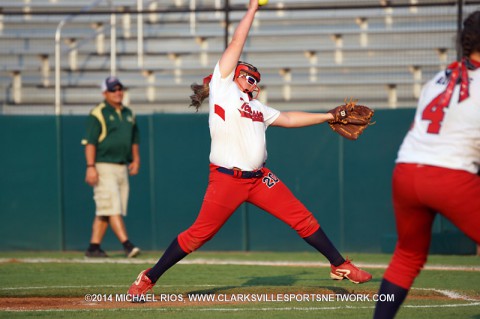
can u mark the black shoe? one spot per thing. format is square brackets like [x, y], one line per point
[97, 253]
[132, 252]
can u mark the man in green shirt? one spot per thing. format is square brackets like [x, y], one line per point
[112, 153]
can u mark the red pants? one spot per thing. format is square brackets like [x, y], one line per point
[419, 192]
[226, 193]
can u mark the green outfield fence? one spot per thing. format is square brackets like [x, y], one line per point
[378, 52]
[45, 204]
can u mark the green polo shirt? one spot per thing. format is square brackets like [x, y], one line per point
[112, 132]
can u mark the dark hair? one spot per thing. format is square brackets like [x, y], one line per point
[200, 93]
[470, 36]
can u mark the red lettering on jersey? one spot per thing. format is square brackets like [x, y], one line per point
[220, 111]
[247, 112]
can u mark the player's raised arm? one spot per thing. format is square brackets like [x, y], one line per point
[232, 53]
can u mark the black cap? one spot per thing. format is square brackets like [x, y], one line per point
[110, 83]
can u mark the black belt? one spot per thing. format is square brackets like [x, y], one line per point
[238, 173]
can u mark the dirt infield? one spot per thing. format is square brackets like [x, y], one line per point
[264, 294]
[69, 303]
[72, 303]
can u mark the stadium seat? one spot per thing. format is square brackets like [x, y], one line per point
[309, 59]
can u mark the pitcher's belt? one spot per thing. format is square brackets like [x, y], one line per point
[238, 173]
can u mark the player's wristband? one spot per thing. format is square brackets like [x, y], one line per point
[90, 165]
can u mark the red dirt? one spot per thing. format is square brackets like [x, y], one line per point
[49, 303]
[68, 303]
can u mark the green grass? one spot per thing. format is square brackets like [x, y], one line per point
[75, 279]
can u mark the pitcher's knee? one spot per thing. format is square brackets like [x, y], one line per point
[307, 226]
[190, 242]
[404, 268]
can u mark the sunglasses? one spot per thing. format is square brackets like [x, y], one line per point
[250, 79]
[116, 90]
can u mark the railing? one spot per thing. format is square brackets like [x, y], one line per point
[58, 35]
[140, 33]
[191, 11]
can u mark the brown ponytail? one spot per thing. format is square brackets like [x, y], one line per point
[470, 36]
[200, 92]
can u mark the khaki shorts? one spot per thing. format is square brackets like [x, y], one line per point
[111, 192]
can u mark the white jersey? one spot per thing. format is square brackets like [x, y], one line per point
[237, 125]
[454, 138]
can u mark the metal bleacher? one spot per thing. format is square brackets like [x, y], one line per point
[309, 59]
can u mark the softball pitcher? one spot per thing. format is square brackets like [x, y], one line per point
[437, 166]
[238, 122]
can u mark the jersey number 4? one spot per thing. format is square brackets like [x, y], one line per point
[434, 113]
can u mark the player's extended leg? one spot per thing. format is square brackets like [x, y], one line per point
[273, 196]
[203, 229]
[414, 222]
[408, 259]
[224, 195]
[209, 221]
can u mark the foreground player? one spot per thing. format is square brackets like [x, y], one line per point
[437, 167]
[237, 175]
